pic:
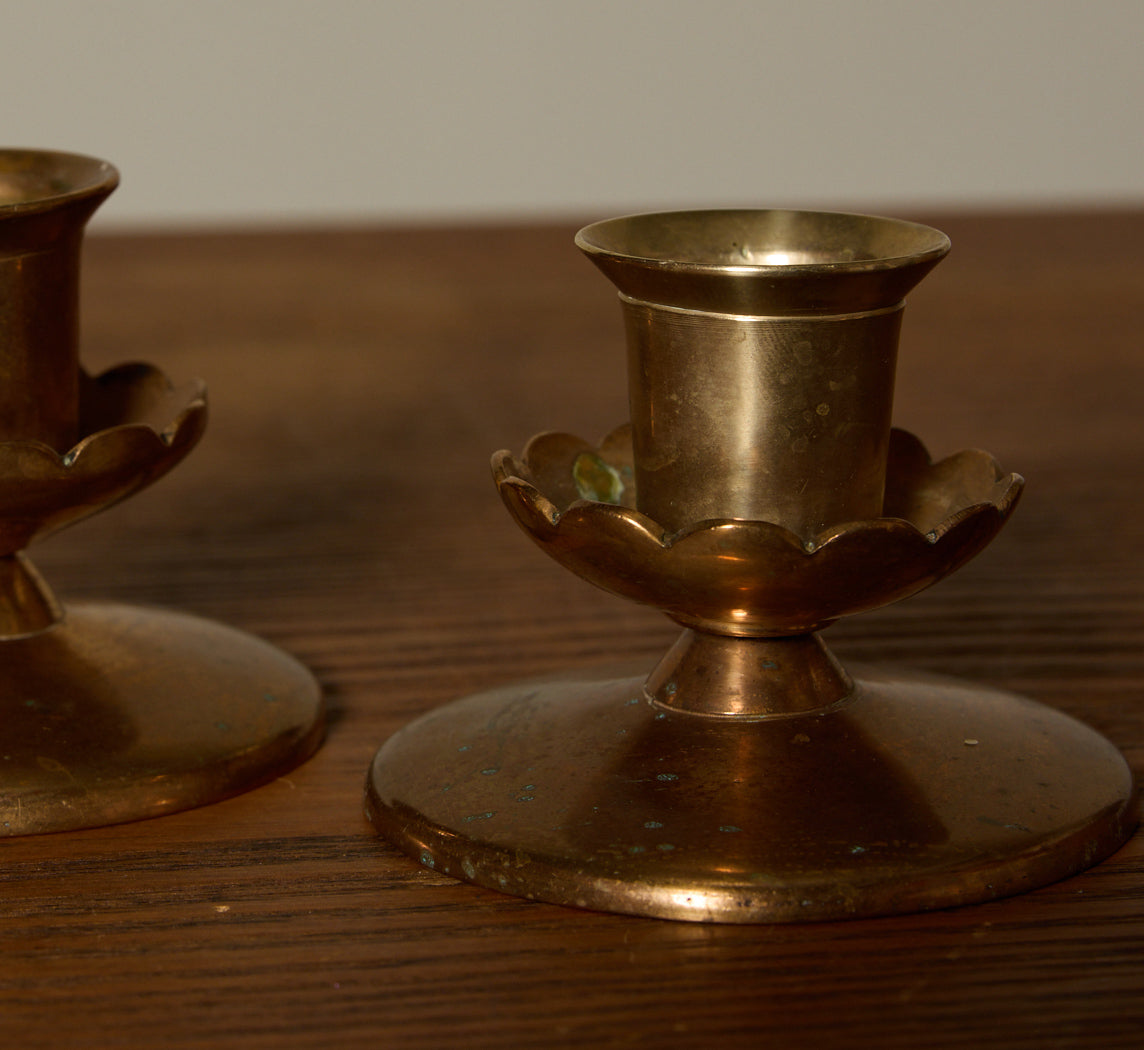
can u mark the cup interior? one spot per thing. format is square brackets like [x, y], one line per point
[758, 240]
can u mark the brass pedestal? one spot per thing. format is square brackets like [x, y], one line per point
[120, 713]
[913, 793]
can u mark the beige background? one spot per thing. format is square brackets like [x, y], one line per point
[259, 111]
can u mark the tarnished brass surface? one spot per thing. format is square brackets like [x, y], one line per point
[758, 495]
[120, 713]
[108, 713]
[916, 793]
[137, 426]
[761, 356]
[754, 578]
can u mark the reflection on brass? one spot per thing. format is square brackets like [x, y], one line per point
[110, 713]
[758, 494]
[755, 578]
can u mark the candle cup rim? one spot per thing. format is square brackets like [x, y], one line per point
[721, 260]
[599, 239]
[65, 177]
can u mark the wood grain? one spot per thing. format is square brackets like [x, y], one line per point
[340, 506]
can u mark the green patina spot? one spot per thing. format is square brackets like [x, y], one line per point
[595, 480]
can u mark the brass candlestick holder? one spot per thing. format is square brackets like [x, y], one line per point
[110, 713]
[758, 495]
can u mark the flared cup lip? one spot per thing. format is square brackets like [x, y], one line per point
[754, 261]
[33, 180]
[683, 240]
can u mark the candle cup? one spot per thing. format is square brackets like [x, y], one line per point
[46, 199]
[761, 355]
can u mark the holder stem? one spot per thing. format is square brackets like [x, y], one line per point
[752, 678]
[27, 604]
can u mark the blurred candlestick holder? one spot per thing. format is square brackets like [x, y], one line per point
[110, 712]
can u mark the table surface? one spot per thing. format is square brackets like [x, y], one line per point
[340, 506]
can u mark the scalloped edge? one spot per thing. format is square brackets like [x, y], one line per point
[627, 553]
[48, 490]
[135, 433]
[510, 471]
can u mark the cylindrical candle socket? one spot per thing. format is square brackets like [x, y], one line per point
[761, 355]
[46, 199]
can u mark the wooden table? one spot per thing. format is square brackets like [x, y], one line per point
[340, 506]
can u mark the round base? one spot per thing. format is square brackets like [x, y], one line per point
[915, 793]
[119, 713]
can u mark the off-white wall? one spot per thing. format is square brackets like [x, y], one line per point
[258, 111]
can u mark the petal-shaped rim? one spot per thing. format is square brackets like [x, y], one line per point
[755, 577]
[143, 427]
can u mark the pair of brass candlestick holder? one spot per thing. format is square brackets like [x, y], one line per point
[758, 494]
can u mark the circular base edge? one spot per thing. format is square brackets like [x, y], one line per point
[120, 713]
[918, 793]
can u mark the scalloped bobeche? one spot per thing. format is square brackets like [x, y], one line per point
[138, 427]
[754, 578]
